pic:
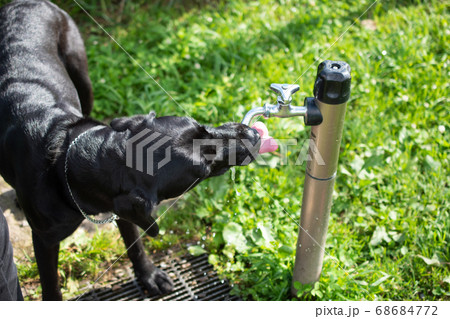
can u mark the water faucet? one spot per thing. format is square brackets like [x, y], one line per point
[327, 108]
[283, 107]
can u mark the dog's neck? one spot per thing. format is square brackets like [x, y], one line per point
[95, 167]
[100, 180]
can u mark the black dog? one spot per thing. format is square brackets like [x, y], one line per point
[45, 100]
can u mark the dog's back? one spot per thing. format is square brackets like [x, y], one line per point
[44, 85]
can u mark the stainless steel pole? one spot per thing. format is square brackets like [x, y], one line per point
[331, 93]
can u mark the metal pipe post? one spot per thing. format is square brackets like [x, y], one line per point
[331, 93]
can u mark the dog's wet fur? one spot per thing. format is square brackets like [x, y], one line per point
[45, 101]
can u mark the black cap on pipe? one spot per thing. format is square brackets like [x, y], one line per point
[332, 84]
[313, 115]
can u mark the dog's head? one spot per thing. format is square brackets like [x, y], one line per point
[167, 156]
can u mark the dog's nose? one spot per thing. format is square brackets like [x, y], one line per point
[254, 134]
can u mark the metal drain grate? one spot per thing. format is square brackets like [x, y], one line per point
[193, 277]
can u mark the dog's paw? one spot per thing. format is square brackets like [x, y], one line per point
[157, 283]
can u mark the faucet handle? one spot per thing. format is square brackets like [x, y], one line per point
[284, 91]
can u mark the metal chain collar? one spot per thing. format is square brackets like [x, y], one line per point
[110, 219]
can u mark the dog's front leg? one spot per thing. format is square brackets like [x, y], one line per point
[47, 261]
[155, 280]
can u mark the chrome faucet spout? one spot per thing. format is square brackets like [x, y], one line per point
[283, 111]
[282, 108]
[252, 113]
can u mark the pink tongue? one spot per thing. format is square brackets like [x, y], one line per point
[268, 143]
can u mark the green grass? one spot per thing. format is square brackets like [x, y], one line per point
[389, 227]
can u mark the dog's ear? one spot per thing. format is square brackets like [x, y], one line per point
[132, 123]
